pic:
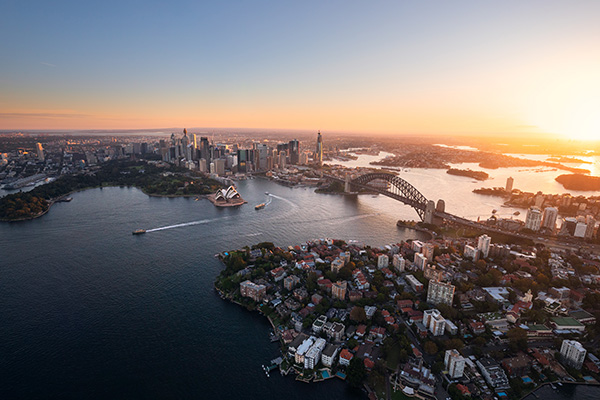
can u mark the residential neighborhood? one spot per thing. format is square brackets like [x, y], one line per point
[448, 318]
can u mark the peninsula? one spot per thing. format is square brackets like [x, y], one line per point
[155, 178]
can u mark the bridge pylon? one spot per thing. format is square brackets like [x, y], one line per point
[347, 185]
[429, 212]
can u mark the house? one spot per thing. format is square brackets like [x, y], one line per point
[354, 295]
[404, 304]
[278, 274]
[519, 365]
[345, 357]
[477, 327]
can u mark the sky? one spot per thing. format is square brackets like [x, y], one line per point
[387, 67]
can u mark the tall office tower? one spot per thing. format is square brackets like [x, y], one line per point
[205, 149]
[242, 159]
[440, 293]
[202, 165]
[195, 141]
[260, 156]
[573, 353]
[454, 363]
[509, 184]
[319, 151]
[294, 150]
[533, 220]
[282, 158]
[303, 158]
[40, 151]
[549, 218]
[483, 245]
[184, 144]
[281, 147]
[220, 166]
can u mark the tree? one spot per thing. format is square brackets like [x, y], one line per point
[358, 314]
[356, 373]
[430, 347]
[517, 338]
[437, 367]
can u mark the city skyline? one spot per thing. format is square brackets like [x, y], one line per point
[462, 68]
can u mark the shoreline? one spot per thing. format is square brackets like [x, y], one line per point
[52, 201]
[532, 392]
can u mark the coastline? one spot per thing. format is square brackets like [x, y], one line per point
[533, 392]
[52, 201]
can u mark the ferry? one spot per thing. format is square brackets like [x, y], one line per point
[259, 206]
[138, 232]
[267, 193]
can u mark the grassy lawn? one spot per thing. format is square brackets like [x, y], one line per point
[399, 395]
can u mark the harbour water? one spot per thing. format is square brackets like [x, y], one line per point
[90, 311]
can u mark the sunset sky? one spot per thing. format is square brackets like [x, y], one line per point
[447, 67]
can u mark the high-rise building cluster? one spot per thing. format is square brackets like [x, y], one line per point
[199, 153]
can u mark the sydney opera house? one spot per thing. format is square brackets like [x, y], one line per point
[227, 197]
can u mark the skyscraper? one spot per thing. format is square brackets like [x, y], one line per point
[294, 150]
[319, 152]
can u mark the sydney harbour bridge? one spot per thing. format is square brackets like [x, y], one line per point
[393, 186]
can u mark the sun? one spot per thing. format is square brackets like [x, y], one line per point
[574, 117]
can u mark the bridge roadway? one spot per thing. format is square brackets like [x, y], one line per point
[563, 243]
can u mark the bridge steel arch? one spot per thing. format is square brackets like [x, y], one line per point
[399, 189]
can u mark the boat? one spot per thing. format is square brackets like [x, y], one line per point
[197, 198]
[494, 211]
[138, 232]
[259, 206]
[267, 193]
[516, 213]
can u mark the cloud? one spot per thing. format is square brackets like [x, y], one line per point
[48, 64]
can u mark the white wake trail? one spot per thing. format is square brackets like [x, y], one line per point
[284, 199]
[200, 222]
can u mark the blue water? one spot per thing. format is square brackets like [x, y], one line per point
[88, 310]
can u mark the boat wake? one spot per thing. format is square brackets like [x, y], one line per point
[284, 199]
[200, 222]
